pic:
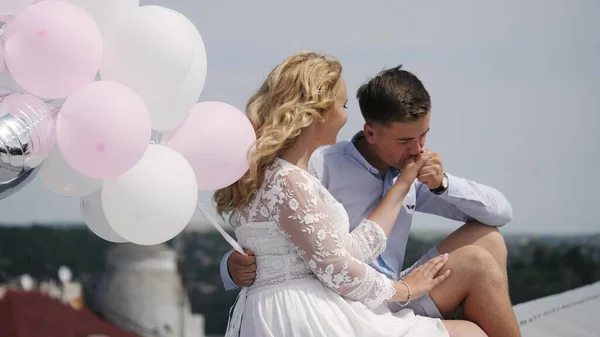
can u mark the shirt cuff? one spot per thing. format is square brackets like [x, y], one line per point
[225, 277]
[456, 188]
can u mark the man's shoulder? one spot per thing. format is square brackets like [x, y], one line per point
[328, 151]
[327, 157]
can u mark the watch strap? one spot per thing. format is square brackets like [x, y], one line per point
[442, 188]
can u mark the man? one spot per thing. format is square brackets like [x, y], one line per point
[396, 108]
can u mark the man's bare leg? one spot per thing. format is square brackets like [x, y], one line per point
[475, 233]
[478, 280]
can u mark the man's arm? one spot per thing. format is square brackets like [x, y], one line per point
[465, 200]
[225, 277]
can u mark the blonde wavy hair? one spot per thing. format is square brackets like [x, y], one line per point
[295, 94]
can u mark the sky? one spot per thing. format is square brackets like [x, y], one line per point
[514, 89]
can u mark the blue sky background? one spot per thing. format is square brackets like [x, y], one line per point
[514, 86]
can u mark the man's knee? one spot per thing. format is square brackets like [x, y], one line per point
[477, 265]
[491, 235]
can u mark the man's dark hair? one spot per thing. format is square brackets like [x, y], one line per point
[394, 95]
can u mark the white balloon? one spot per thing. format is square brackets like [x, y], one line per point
[12, 7]
[150, 51]
[153, 201]
[107, 12]
[170, 109]
[62, 179]
[93, 215]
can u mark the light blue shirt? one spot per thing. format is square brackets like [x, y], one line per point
[357, 185]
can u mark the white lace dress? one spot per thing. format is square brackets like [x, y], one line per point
[312, 276]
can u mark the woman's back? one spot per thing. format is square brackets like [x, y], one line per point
[257, 225]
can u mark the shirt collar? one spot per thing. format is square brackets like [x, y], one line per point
[352, 151]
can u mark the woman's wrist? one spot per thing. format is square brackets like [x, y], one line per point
[401, 188]
[402, 293]
[408, 296]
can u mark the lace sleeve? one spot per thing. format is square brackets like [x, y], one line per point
[304, 219]
[367, 241]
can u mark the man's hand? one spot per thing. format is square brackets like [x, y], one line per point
[242, 269]
[432, 173]
[411, 167]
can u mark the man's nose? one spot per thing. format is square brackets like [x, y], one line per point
[415, 149]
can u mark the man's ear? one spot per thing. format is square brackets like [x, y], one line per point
[369, 132]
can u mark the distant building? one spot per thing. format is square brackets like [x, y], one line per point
[142, 291]
[32, 313]
[67, 291]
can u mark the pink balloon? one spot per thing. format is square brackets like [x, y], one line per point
[103, 129]
[40, 115]
[215, 139]
[52, 48]
[2, 63]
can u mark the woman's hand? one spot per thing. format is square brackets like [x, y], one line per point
[410, 170]
[386, 212]
[411, 167]
[423, 279]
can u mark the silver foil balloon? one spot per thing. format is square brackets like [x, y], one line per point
[26, 137]
[9, 188]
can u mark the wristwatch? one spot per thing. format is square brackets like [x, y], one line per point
[443, 187]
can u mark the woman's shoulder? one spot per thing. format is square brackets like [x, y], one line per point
[283, 171]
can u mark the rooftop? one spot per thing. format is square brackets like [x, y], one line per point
[31, 313]
[572, 313]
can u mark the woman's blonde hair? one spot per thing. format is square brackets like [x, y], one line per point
[295, 95]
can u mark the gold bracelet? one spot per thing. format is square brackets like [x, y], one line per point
[409, 295]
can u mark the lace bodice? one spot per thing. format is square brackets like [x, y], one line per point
[296, 229]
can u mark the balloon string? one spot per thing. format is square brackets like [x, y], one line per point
[208, 216]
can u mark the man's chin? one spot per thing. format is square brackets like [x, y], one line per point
[398, 166]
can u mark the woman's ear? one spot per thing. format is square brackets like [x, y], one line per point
[321, 117]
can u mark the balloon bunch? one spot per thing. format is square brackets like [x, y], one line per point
[104, 105]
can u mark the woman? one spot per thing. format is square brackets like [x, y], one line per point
[313, 277]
